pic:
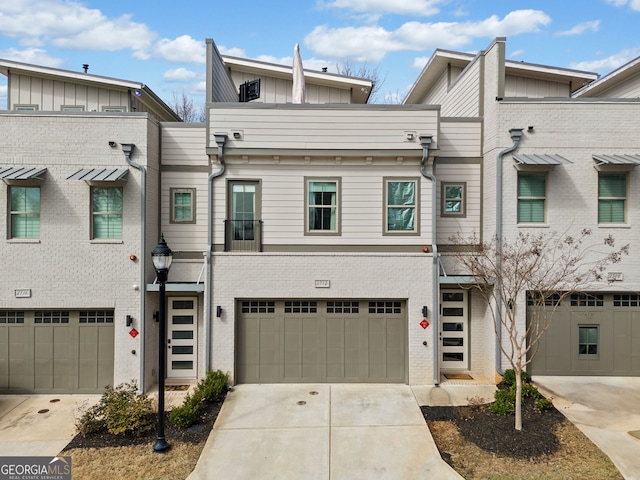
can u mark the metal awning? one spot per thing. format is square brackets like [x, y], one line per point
[628, 160]
[542, 160]
[22, 173]
[177, 287]
[100, 174]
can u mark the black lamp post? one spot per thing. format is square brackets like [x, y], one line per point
[162, 257]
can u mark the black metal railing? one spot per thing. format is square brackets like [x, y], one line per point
[243, 235]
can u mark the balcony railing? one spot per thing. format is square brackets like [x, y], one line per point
[243, 235]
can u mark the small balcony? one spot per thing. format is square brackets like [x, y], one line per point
[243, 235]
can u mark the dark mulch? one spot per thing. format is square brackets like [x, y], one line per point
[497, 433]
[195, 434]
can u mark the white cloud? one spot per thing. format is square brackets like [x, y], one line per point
[183, 49]
[35, 56]
[179, 75]
[633, 4]
[372, 43]
[422, 8]
[581, 28]
[606, 65]
[516, 53]
[70, 24]
[232, 52]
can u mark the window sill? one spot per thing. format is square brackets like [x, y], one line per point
[533, 225]
[614, 225]
[108, 241]
[23, 240]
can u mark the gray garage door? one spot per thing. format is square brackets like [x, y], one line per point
[56, 351]
[592, 334]
[299, 341]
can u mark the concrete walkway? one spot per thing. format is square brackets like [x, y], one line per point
[38, 425]
[605, 409]
[327, 432]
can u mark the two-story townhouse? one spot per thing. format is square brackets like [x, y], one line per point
[318, 227]
[559, 155]
[79, 164]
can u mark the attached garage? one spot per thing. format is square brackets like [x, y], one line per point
[592, 334]
[56, 351]
[313, 341]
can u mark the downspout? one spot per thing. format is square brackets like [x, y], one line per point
[425, 141]
[516, 135]
[221, 139]
[127, 149]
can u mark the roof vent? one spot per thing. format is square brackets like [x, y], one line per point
[85, 67]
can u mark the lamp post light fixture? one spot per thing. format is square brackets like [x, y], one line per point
[162, 257]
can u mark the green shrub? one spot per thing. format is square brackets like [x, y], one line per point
[120, 410]
[212, 386]
[209, 389]
[186, 414]
[509, 377]
[504, 402]
[529, 391]
[543, 404]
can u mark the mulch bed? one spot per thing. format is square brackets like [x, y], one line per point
[195, 434]
[497, 434]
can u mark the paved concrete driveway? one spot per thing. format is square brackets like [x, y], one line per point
[321, 432]
[38, 425]
[606, 409]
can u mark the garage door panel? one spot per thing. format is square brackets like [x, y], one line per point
[322, 341]
[49, 352]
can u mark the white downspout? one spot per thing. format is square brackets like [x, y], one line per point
[425, 141]
[127, 149]
[516, 135]
[221, 139]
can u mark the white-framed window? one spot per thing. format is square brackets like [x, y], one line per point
[114, 109]
[24, 212]
[25, 108]
[454, 199]
[612, 197]
[106, 212]
[322, 206]
[72, 108]
[588, 340]
[183, 205]
[401, 205]
[532, 191]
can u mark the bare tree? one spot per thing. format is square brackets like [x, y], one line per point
[363, 71]
[182, 104]
[542, 268]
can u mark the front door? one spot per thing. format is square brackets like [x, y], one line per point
[182, 337]
[454, 332]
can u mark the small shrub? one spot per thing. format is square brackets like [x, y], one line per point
[530, 391]
[186, 414]
[120, 410]
[505, 402]
[476, 401]
[543, 404]
[509, 377]
[212, 386]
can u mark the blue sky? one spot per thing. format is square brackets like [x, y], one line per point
[162, 43]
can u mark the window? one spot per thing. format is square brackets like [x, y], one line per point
[114, 109]
[323, 206]
[588, 340]
[25, 108]
[531, 197]
[25, 212]
[72, 108]
[401, 205]
[106, 212]
[612, 195]
[183, 208]
[454, 200]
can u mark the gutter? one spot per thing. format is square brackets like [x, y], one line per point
[425, 141]
[127, 149]
[221, 139]
[516, 135]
